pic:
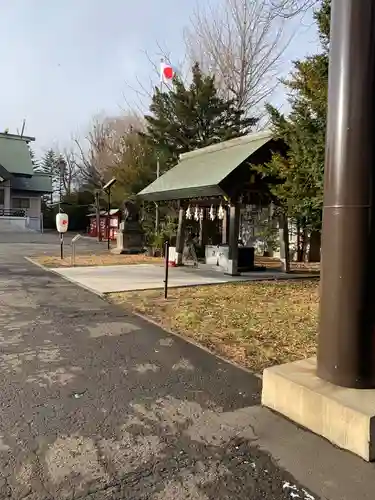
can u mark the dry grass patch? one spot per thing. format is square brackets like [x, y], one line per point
[96, 260]
[255, 324]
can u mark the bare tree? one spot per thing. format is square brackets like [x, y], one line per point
[92, 152]
[102, 148]
[71, 171]
[291, 8]
[242, 44]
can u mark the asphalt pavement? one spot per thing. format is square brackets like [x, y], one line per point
[99, 404]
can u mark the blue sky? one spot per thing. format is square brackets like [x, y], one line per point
[64, 61]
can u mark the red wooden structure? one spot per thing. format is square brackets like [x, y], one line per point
[114, 224]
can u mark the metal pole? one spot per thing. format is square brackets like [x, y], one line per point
[346, 347]
[61, 246]
[166, 252]
[73, 259]
[108, 220]
[60, 175]
[157, 216]
[61, 167]
[157, 213]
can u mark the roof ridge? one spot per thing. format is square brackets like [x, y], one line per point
[244, 139]
[25, 138]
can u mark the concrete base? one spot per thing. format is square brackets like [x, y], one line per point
[346, 417]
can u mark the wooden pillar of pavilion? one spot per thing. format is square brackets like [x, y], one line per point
[234, 228]
[284, 243]
[180, 239]
[225, 228]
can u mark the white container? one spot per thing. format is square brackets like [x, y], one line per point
[62, 222]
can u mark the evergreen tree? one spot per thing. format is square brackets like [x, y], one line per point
[34, 161]
[301, 192]
[185, 118]
[48, 165]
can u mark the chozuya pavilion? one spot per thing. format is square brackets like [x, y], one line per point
[215, 186]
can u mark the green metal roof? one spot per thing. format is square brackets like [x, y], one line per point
[4, 174]
[40, 183]
[15, 154]
[200, 172]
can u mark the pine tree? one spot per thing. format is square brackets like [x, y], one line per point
[48, 166]
[34, 160]
[185, 118]
[301, 192]
[48, 163]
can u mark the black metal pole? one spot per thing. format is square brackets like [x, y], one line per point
[108, 219]
[166, 252]
[61, 246]
[346, 347]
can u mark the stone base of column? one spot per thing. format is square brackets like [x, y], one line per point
[232, 268]
[346, 417]
[178, 259]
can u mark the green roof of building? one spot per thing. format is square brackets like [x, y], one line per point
[39, 183]
[200, 173]
[4, 174]
[15, 154]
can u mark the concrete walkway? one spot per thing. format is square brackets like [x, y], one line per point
[107, 279]
[99, 405]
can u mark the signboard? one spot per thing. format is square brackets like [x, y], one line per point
[62, 222]
[76, 238]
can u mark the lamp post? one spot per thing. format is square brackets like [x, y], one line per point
[107, 188]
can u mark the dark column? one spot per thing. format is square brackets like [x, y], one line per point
[180, 239]
[346, 350]
[284, 243]
[225, 228]
[234, 227]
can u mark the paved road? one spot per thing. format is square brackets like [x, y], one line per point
[99, 405]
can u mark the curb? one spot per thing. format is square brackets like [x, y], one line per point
[148, 319]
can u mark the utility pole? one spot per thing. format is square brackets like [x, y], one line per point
[346, 347]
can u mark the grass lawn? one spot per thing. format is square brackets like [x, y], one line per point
[255, 324]
[96, 260]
